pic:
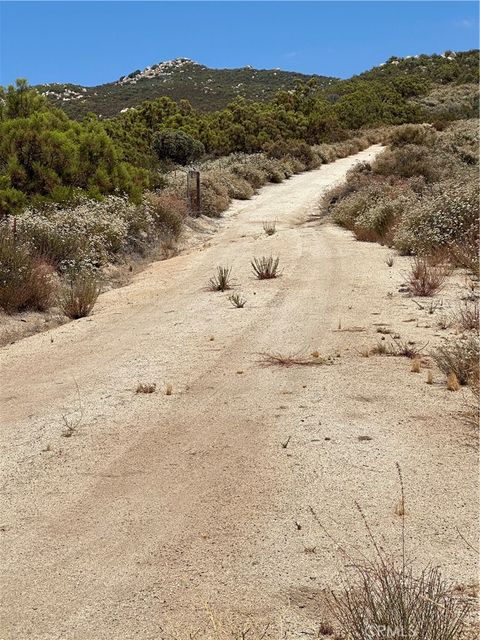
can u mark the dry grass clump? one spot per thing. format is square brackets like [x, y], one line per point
[26, 282]
[149, 387]
[270, 227]
[295, 360]
[460, 356]
[426, 277]
[221, 281]
[266, 268]
[78, 296]
[385, 598]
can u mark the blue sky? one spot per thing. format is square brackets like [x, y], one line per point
[95, 42]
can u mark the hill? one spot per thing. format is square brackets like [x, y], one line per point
[213, 89]
[181, 79]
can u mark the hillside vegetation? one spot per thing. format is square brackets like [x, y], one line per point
[213, 89]
[180, 79]
[86, 192]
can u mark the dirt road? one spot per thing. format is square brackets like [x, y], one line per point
[159, 508]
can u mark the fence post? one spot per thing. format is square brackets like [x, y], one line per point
[193, 192]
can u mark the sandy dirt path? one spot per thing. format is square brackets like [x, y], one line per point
[161, 507]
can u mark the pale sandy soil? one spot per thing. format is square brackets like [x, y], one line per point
[159, 508]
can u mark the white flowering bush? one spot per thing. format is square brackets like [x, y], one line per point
[443, 218]
[91, 233]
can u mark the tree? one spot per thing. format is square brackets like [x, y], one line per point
[178, 146]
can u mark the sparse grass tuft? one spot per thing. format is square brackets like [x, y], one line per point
[169, 389]
[270, 227]
[79, 295]
[389, 261]
[149, 387]
[266, 268]
[425, 277]
[468, 316]
[237, 300]
[221, 280]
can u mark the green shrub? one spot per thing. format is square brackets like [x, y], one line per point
[178, 146]
[418, 134]
[407, 161]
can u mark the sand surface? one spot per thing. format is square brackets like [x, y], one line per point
[160, 508]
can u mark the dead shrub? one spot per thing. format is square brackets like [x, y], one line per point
[26, 282]
[266, 268]
[221, 280]
[387, 597]
[468, 316]
[169, 213]
[460, 356]
[79, 295]
[426, 277]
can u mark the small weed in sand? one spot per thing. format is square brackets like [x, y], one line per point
[168, 390]
[416, 365]
[452, 382]
[389, 261]
[237, 300]
[384, 330]
[279, 360]
[429, 379]
[270, 227]
[405, 348]
[310, 549]
[148, 387]
[221, 280]
[285, 444]
[266, 268]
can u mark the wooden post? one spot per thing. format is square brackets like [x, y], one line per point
[193, 192]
